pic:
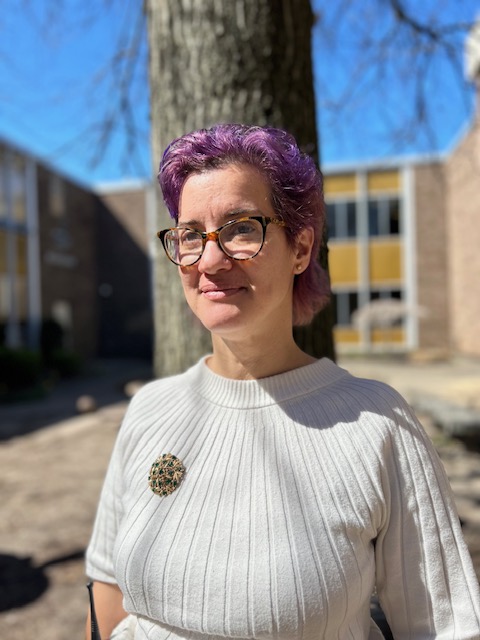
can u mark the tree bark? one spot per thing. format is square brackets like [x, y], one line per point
[214, 61]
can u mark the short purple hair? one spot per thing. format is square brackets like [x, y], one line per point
[295, 182]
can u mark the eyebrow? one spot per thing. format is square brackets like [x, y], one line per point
[224, 218]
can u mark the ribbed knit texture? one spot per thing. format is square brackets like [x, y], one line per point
[302, 492]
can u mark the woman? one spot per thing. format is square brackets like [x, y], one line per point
[285, 490]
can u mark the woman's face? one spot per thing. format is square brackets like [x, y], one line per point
[236, 298]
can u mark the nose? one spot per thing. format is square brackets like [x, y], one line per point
[213, 258]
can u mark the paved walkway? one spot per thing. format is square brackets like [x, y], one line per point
[53, 460]
[455, 381]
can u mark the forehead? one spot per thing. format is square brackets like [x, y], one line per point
[218, 194]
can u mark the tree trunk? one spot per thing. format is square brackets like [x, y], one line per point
[243, 61]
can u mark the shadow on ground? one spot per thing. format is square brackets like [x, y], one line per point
[21, 582]
[104, 382]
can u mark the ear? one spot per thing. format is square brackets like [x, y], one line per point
[303, 249]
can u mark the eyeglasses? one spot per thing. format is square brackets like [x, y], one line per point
[240, 239]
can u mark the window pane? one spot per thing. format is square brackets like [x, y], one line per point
[388, 294]
[352, 304]
[341, 309]
[18, 186]
[394, 217]
[3, 179]
[56, 196]
[344, 304]
[334, 303]
[351, 219]
[373, 218]
[332, 230]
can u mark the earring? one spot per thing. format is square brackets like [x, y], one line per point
[299, 267]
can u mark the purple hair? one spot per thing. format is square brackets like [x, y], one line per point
[296, 189]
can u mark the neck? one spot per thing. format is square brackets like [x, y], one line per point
[250, 360]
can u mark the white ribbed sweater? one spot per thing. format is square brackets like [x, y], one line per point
[302, 492]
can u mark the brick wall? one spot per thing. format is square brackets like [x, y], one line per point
[432, 273]
[124, 274]
[68, 258]
[463, 200]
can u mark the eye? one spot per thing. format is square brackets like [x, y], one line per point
[245, 227]
[188, 236]
[241, 230]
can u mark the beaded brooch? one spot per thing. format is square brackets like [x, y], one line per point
[165, 475]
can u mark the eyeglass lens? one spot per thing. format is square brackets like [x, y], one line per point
[241, 240]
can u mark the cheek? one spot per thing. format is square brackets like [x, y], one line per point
[187, 276]
[189, 282]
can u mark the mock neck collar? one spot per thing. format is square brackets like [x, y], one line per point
[246, 394]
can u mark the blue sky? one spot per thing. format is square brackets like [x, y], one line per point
[57, 83]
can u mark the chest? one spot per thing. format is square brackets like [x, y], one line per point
[271, 527]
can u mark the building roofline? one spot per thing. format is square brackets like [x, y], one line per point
[117, 186]
[461, 134]
[43, 162]
[100, 188]
[388, 162]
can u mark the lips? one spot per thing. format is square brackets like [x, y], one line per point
[213, 291]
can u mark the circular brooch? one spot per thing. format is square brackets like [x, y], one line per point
[165, 475]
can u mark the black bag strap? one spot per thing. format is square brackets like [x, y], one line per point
[93, 616]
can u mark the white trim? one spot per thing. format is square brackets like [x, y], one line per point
[363, 252]
[382, 164]
[410, 254]
[119, 186]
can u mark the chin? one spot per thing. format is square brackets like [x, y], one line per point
[223, 322]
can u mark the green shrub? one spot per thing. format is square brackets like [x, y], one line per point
[65, 363]
[51, 338]
[19, 369]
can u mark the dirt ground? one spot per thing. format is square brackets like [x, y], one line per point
[50, 481]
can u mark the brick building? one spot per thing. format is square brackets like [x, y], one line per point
[75, 256]
[408, 230]
[404, 258]
[462, 170]
[125, 229]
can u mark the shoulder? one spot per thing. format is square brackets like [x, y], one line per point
[163, 389]
[364, 394]
[376, 408]
[156, 405]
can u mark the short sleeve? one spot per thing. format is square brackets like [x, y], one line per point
[99, 555]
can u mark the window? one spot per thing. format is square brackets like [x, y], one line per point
[56, 195]
[392, 314]
[3, 184]
[331, 220]
[351, 213]
[383, 294]
[384, 217]
[13, 185]
[62, 313]
[342, 219]
[394, 217]
[4, 296]
[344, 304]
[18, 186]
